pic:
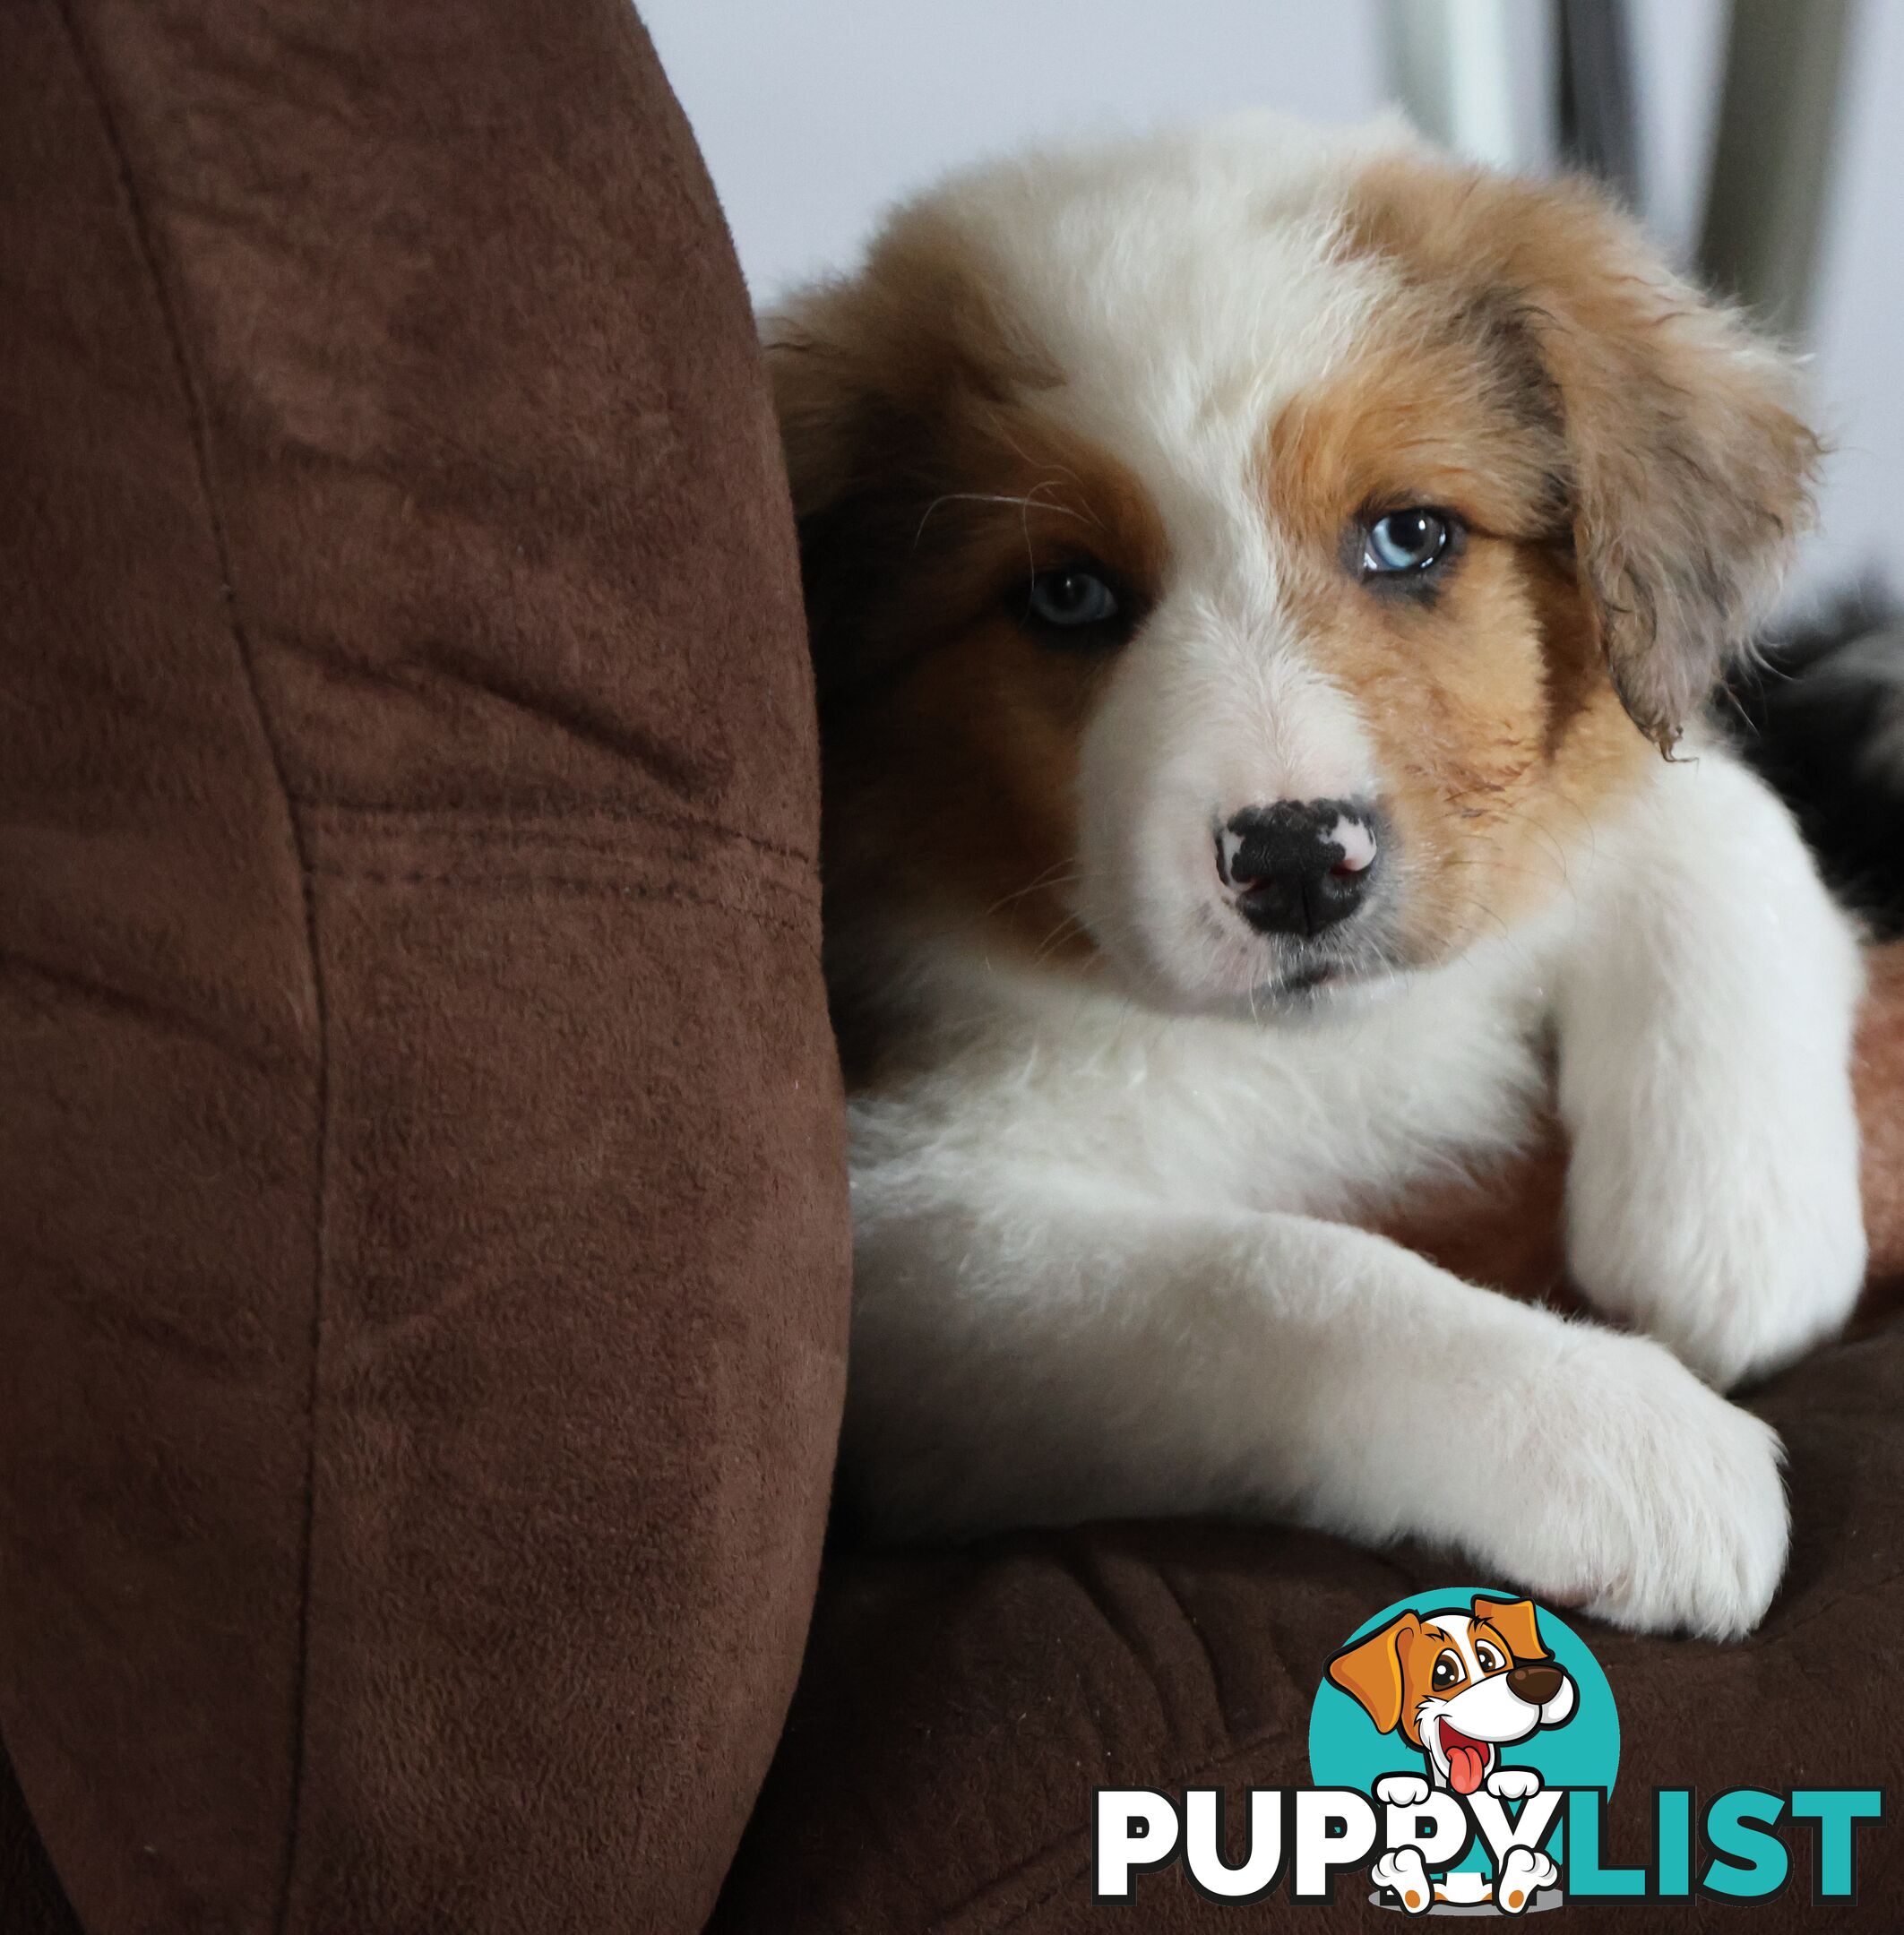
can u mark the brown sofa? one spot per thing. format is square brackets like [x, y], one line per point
[421, 1198]
[423, 1319]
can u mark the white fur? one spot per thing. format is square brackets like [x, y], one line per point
[1705, 1035]
[1093, 1277]
[1188, 286]
[1101, 1267]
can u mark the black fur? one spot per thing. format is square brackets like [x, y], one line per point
[1822, 717]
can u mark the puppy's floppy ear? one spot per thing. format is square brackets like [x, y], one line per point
[1692, 470]
[877, 379]
[1681, 469]
[825, 363]
[822, 366]
[1370, 1671]
[1516, 1621]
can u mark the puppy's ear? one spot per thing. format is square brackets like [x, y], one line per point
[1691, 468]
[822, 366]
[1681, 469]
[1371, 1670]
[1515, 1621]
[826, 362]
[877, 381]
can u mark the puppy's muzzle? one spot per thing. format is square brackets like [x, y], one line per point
[1299, 866]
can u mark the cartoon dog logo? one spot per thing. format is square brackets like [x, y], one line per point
[1458, 1687]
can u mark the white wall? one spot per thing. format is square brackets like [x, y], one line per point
[814, 114]
[1859, 335]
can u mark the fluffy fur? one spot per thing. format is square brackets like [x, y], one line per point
[1118, 1155]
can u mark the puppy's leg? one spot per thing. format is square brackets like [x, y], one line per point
[1705, 1018]
[1062, 1352]
[1405, 1872]
[1523, 1874]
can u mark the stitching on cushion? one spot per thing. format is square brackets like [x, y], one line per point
[615, 815]
[521, 841]
[145, 246]
[528, 882]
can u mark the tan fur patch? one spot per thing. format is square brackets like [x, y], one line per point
[930, 490]
[1681, 460]
[951, 734]
[1499, 728]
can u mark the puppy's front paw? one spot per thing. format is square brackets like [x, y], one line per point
[1405, 1872]
[1740, 1272]
[1514, 1784]
[1523, 1874]
[1630, 1489]
[1401, 1790]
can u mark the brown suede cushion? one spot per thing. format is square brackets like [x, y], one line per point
[957, 1708]
[421, 1198]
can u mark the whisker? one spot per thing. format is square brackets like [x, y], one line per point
[1026, 505]
[1065, 873]
[1072, 923]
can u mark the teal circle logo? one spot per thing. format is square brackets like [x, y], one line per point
[1470, 1690]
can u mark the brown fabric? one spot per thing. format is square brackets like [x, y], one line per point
[32, 1900]
[421, 1198]
[1881, 1112]
[1505, 1229]
[957, 1708]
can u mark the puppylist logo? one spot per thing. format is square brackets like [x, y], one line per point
[1463, 1747]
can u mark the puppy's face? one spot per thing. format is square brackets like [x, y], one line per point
[1458, 1684]
[1246, 563]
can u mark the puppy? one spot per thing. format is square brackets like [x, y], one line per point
[1460, 1686]
[1457, 1686]
[1254, 575]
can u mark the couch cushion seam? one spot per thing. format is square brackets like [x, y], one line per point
[146, 247]
[486, 822]
[785, 871]
[567, 884]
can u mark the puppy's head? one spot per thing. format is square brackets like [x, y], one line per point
[1458, 1684]
[1242, 563]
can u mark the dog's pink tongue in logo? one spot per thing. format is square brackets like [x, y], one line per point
[1467, 1759]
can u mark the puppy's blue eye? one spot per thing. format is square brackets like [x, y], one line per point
[1069, 598]
[1405, 542]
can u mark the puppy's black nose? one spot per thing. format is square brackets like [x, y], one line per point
[1536, 1684]
[1300, 865]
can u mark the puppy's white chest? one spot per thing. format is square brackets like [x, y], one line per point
[1319, 1116]
[1350, 1111]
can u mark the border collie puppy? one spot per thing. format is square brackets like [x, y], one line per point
[1254, 576]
